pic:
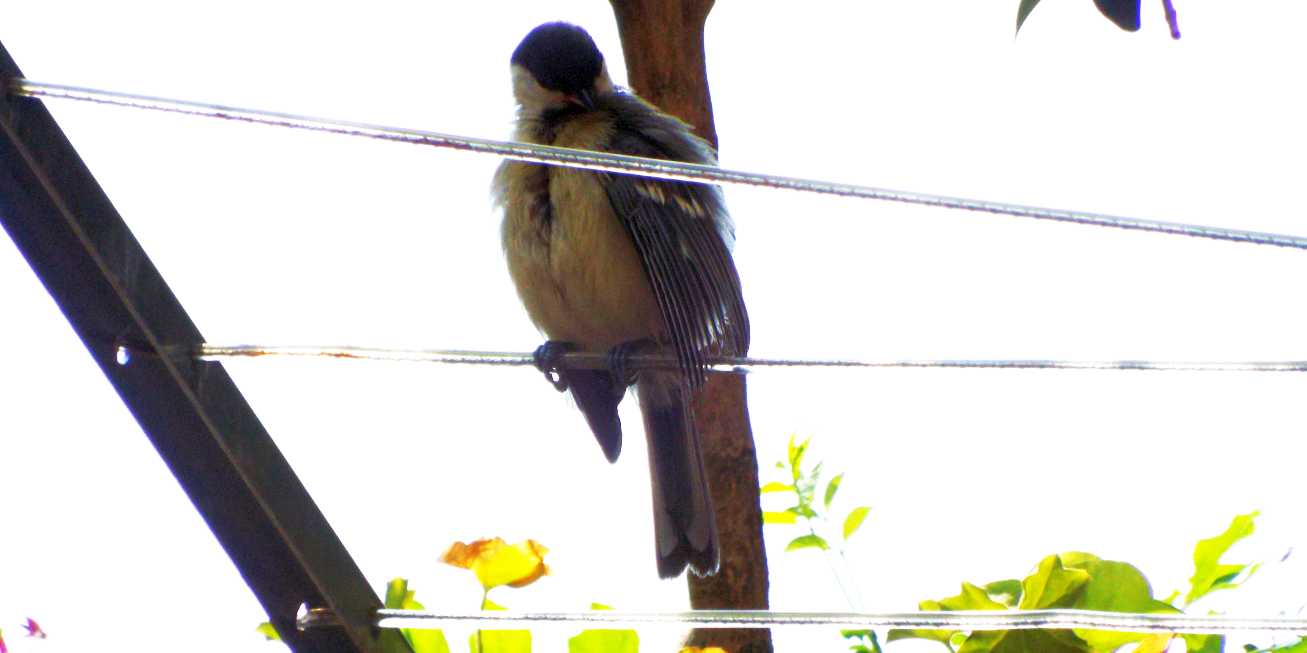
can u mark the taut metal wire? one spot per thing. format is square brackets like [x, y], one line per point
[214, 352]
[636, 165]
[968, 620]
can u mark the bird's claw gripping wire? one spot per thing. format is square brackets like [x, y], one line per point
[619, 358]
[547, 357]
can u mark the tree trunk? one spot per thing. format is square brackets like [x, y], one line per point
[663, 42]
[722, 415]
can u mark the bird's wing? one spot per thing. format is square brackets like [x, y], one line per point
[681, 231]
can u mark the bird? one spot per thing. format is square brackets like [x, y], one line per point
[619, 264]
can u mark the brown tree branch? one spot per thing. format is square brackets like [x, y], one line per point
[663, 42]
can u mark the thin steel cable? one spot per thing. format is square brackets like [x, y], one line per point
[637, 165]
[215, 352]
[968, 621]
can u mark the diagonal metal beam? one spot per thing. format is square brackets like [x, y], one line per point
[84, 254]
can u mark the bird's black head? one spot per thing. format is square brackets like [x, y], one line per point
[562, 57]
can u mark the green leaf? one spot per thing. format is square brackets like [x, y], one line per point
[1052, 585]
[854, 520]
[971, 598]
[1023, 10]
[604, 640]
[865, 641]
[794, 454]
[400, 597]
[1007, 592]
[807, 542]
[1024, 641]
[1204, 643]
[1113, 587]
[1209, 573]
[831, 488]
[779, 517]
[1299, 646]
[1155, 643]
[941, 636]
[268, 631]
[776, 486]
[500, 641]
[423, 640]
[396, 589]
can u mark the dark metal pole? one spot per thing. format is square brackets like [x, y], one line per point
[84, 254]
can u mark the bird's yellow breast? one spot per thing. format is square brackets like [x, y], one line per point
[574, 264]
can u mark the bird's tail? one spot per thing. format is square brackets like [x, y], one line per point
[685, 529]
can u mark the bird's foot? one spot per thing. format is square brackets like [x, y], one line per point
[547, 357]
[619, 358]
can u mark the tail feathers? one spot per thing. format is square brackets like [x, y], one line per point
[685, 528]
[597, 394]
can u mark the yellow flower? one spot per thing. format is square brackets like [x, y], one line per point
[495, 562]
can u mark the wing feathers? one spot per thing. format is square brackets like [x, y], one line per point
[682, 232]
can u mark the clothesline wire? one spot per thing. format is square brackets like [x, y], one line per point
[218, 352]
[655, 168]
[979, 620]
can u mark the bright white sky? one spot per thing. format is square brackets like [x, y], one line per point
[277, 237]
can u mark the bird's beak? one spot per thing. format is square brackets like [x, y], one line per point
[585, 99]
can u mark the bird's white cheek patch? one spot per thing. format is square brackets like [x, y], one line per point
[531, 96]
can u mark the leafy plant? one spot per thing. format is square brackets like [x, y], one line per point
[863, 641]
[400, 597]
[604, 640]
[1086, 582]
[811, 516]
[801, 487]
[1210, 574]
[496, 563]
